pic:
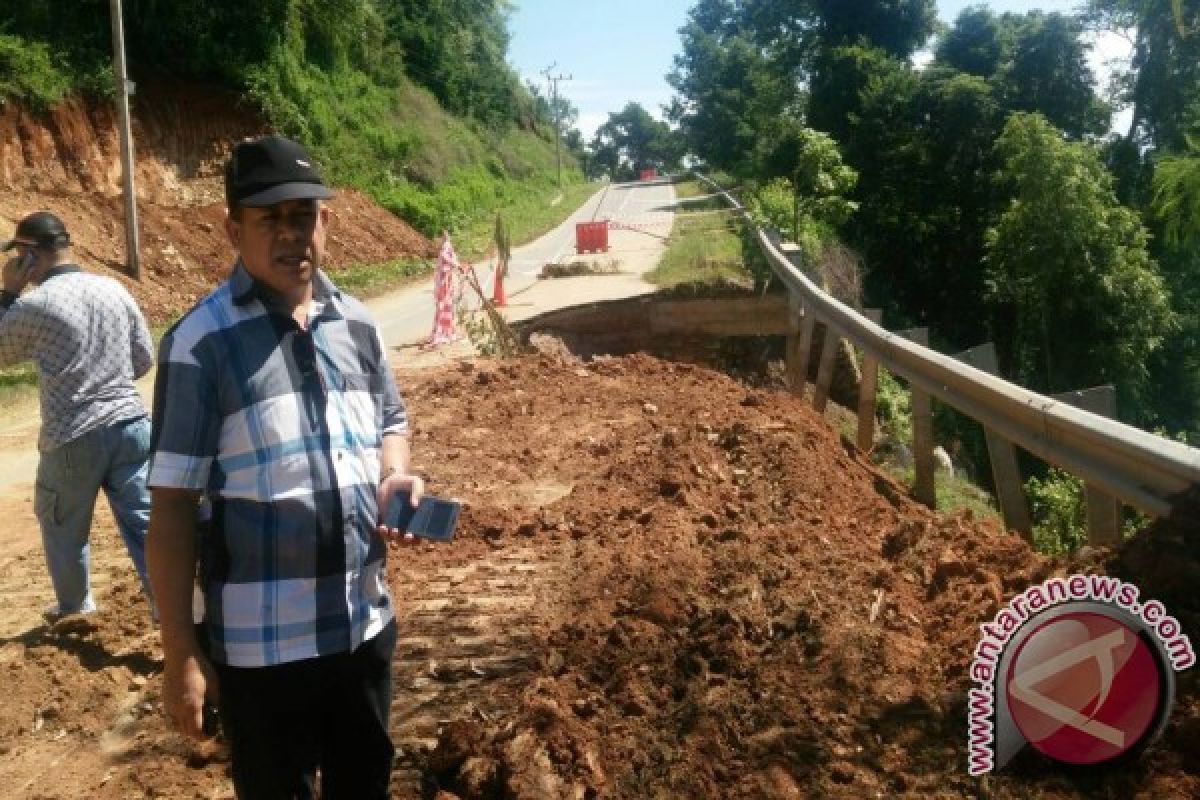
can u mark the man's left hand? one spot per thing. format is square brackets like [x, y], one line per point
[398, 482]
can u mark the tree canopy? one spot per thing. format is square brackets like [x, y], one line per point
[1069, 266]
[455, 48]
[632, 140]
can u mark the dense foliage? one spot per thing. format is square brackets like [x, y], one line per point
[410, 100]
[992, 201]
[1065, 257]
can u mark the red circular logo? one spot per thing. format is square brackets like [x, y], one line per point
[1083, 688]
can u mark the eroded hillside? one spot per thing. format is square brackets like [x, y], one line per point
[67, 161]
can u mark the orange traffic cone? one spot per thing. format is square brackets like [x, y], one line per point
[498, 297]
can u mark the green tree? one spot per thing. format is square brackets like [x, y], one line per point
[858, 39]
[898, 27]
[1047, 72]
[1068, 265]
[1163, 84]
[458, 49]
[1176, 212]
[632, 140]
[811, 202]
[728, 92]
[1036, 62]
[840, 77]
[923, 144]
[1153, 162]
[1177, 196]
[977, 43]
[822, 181]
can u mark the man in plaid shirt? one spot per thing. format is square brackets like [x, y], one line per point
[276, 403]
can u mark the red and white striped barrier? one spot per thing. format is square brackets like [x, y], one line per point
[444, 330]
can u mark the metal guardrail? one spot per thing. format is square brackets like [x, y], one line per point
[1141, 469]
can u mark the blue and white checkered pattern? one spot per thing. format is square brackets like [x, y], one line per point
[281, 428]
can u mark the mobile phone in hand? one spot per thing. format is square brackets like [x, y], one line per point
[434, 518]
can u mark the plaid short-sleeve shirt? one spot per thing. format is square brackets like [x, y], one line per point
[281, 428]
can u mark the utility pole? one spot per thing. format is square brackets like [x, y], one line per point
[552, 81]
[124, 89]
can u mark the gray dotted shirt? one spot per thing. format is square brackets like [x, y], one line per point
[89, 341]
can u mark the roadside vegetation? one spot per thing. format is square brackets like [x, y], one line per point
[391, 98]
[368, 280]
[388, 97]
[705, 245]
[985, 194]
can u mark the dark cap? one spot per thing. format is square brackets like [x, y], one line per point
[269, 170]
[41, 229]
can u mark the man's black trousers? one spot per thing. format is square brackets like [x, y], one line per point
[284, 722]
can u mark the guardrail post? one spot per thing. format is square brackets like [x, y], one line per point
[1006, 474]
[803, 352]
[796, 365]
[866, 390]
[924, 488]
[1103, 510]
[829, 348]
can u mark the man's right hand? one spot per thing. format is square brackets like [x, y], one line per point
[15, 274]
[186, 683]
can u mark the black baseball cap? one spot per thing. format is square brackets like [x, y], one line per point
[40, 229]
[270, 170]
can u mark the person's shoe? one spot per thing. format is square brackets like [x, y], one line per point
[53, 613]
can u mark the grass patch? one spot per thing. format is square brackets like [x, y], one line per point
[527, 217]
[956, 494]
[368, 280]
[688, 189]
[953, 493]
[694, 197]
[703, 248]
[17, 381]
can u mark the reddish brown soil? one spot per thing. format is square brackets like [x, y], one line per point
[68, 161]
[666, 584]
[664, 581]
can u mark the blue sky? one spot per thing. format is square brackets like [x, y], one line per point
[617, 51]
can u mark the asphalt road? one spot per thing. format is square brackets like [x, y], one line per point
[406, 315]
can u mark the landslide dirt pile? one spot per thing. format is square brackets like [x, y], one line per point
[727, 602]
[755, 610]
[68, 161]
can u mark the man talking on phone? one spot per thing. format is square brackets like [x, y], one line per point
[275, 402]
[89, 342]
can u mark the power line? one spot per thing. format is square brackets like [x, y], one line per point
[553, 81]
